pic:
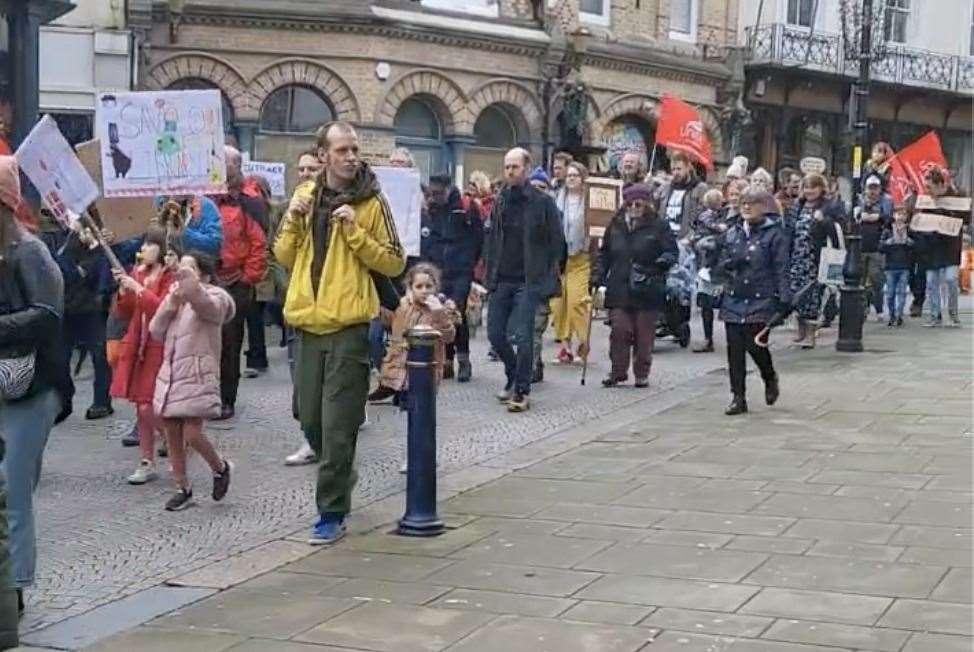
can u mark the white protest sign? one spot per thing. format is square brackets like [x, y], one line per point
[273, 172]
[161, 143]
[401, 187]
[51, 165]
[935, 223]
[812, 165]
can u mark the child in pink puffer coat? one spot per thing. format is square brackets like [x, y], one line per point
[187, 390]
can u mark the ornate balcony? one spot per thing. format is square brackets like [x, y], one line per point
[791, 46]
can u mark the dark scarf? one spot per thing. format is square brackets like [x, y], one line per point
[364, 186]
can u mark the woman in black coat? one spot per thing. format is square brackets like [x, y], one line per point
[637, 251]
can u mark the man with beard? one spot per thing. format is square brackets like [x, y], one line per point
[337, 233]
[681, 201]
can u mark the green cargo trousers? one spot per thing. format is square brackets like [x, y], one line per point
[332, 386]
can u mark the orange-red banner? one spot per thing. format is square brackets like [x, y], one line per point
[908, 166]
[679, 127]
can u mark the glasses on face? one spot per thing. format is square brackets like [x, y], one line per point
[639, 203]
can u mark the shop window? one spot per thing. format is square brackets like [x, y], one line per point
[895, 21]
[800, 12]
[294, 110]
[494, 129]
[198, 84]
[683, 20]
[594, 11]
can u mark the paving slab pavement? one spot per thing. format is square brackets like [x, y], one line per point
[646, 532]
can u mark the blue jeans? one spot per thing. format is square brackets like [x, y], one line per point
[377, 343]
[942, 276]
[24, 427]
[511, 309]
[897, 283]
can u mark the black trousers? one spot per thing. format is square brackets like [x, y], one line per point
[740, 340]
[233, 336]
[256, 336]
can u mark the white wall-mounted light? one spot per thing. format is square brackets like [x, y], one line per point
[383, 70]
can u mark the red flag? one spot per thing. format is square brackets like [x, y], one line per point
[911, 163]
[679, 127]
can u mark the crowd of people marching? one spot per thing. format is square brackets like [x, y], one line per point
[167, 332]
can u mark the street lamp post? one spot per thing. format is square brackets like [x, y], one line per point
[851, 307]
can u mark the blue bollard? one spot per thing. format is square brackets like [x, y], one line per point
[421, 519]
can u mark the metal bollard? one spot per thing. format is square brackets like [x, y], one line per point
[852, 298]
[421, 519]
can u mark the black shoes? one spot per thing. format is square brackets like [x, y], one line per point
[381, 393]
[448, 370]
[131, 438]
[641, 383]
[612, 381]
[226, 412]
[221, 482]
[99, 412]
[771, 391]
[180, 500]
[464, 371]
[538, 375]
[737, 406]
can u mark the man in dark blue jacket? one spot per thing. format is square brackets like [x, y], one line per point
[452, 239]
[753, 264]
[523, 249]
[875, 216]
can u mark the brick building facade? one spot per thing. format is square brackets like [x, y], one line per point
[457, 81]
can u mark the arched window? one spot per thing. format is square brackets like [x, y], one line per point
[418, 128]
[200, 84]
[494, 129]
[415, 119]
[295, 110]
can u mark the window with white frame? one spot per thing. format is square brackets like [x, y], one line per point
[683, 20]
[896, 19]
[592, 12]
[478, 7]
[800, 12]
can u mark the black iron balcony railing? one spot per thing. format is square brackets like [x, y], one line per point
[792, 46]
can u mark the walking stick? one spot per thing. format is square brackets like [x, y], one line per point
[761, 339]
[90, 223]
[588, 340]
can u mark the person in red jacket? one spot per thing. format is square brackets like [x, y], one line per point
[140, 356]
[243, 263]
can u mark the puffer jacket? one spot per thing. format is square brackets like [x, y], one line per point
[344, 257]
[754, 271]
[243, 251]
[188, 384]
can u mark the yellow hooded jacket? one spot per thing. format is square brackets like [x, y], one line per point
[346, 293]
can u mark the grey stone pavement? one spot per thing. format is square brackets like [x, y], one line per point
[601, 521]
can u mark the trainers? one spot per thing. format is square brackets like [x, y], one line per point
[641, 383]
[221, 481]
[519, 403]
[737, 406]
[146, 472]
[381, 394]
[564, 357]
[329, 529]
[954, 321]
[404, 469]
[99, 412]
[506, 394]
[705, 347]
[613, 381]
[180, 500]
[131, 438]
[932, 323]
[302, 456]
[250, 372]
[899, 322]
[892, 322]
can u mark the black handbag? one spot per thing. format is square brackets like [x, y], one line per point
[645, 282]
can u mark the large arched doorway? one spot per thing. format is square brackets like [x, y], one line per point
[496, 131]
[419, 128]
[625, 134]
[289, 118]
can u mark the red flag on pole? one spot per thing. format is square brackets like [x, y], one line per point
[909, 165]
[679, 127]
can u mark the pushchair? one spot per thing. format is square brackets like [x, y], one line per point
[674, 319]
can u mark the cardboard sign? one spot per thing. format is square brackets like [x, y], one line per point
[812, 165]
[273, 172]
[935, 223]
[401, 187]
[49, 162]
[603, 199]
[126, 217]
[161, 143]
[959, 204]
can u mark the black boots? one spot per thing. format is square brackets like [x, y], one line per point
[771, 390]
[464, 370]
[737, 406]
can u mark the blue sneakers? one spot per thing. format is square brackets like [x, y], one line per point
[329, 529]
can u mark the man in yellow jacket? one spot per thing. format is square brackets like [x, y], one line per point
[338, 230]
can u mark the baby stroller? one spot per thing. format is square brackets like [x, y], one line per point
[674, 320]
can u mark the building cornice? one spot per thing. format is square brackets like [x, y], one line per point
[656, 63]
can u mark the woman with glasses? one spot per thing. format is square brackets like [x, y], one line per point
[637, 251]
[571, 309]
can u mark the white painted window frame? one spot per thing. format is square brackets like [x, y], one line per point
[474, 7]
[690, 37]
